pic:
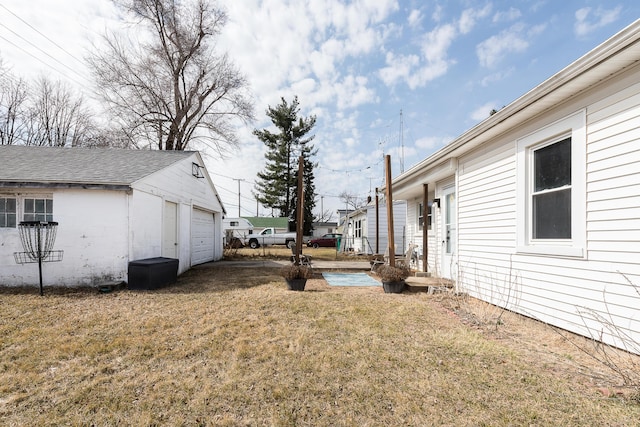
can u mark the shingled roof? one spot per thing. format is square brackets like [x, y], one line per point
[24, 165]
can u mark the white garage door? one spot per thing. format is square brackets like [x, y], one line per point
[202, 237]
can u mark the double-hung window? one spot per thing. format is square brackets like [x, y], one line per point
[38, 209]
[14, 209]
[8, 212]
[551, 211]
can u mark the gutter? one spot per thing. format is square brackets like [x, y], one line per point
[71, 185]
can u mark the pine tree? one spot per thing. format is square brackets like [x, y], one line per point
[276, 186]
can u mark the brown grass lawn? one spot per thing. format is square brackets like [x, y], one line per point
[231, 346]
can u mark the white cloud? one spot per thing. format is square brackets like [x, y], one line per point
[437, 13]
[415, 17]
[496, 77]
[483, 111]
[509, 15]
[492, 50]
[353, 91]
[431, 143]
[433, 61]
[416, 71]
[398, 68]
[469, 17]
[437, 42]
[589, 20]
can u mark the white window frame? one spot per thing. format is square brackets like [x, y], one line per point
[575, 127]
[20, 198]
[16, 211]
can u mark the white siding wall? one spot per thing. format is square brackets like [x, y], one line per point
[367, 243]
[175, 184]
[566, 292]
[92, 232]
[399, 227]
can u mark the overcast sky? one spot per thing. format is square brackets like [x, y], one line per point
[382, 76]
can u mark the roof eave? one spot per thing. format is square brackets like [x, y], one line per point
[65, 185]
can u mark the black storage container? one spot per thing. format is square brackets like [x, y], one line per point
[152, 273]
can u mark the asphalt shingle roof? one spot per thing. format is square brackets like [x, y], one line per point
[105, 166]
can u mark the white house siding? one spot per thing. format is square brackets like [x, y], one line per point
[174, 184]
[367, 242]
[145, 216]
[91, 232]
[571, 293]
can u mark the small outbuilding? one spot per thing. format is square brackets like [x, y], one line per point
[113, 206]
[366, 230]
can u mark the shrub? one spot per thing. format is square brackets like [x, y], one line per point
[388, 273]
[293, 271]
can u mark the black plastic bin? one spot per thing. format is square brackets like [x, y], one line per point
[152, 273]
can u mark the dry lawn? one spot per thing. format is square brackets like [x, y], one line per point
[231, 346]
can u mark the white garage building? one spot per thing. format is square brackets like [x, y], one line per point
[113, 206]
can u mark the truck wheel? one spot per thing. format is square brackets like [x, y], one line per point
[253, 244]
[291, 244]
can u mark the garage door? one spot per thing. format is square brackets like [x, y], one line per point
[202, 237]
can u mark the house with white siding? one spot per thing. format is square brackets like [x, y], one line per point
[112, 206]
[366, 229]
[537, 208]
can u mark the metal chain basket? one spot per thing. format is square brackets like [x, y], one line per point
[37, 239]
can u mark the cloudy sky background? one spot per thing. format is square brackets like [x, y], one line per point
[382, 76]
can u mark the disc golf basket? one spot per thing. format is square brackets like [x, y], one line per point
[37, 241]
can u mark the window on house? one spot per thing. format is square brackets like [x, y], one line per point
[551, 189]
[421, 216]
[38, 210]
[234, 223]
[7, 212]
[358, 228]
[551, 194]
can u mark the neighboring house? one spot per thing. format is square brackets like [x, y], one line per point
[113, 206]
[360, 233]
[537, 208]
[238, 228]
[322, 228]
[281, 224]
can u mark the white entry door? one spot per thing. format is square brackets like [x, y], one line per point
[170, 230]
[449, 232]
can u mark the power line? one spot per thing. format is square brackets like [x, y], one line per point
[43, 35]
[41, 50]
[40, 60]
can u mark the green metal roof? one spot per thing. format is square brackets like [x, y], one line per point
[266, 222]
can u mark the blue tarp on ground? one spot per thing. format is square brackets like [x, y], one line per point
[350, 279]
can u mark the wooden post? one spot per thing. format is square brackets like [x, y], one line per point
[425, 232]
[391, 239]
[300, 219]
[377, 223]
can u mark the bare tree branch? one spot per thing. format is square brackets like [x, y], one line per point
[169, 86]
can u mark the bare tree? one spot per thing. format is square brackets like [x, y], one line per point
[352, 201]
[168, 86]
[13, 97]
[56, 116]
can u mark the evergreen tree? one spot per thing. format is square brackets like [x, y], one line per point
[277, 184]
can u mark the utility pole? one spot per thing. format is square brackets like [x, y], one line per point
[238, 179]
[401, 144]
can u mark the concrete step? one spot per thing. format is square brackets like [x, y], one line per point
[427, 284]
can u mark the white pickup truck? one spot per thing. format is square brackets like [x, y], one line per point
[268, 236]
